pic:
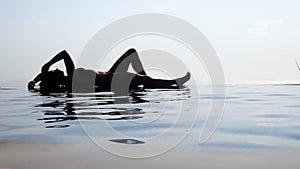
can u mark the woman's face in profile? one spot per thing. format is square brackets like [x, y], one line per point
[59, 73]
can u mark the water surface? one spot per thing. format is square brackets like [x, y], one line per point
[255, 116]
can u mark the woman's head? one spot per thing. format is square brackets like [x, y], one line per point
[52, 82]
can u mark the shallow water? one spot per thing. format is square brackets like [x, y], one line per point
[255, 116]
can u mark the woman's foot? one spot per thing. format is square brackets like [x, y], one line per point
[182, 80]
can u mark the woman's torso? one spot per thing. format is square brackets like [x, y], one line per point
[87, 80]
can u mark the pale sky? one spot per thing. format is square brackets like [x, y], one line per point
[256, 41]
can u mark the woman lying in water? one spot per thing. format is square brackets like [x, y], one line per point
[117, 79]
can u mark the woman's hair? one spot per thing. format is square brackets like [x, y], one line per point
[51, 83]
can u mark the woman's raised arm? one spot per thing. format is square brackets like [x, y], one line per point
[63, 55]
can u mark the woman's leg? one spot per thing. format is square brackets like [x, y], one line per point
[122, 64]
[152, 83]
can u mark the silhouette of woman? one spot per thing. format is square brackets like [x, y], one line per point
[117, 78]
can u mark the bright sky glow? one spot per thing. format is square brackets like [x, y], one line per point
[256, 41]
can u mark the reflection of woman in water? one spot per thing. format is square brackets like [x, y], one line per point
[117, 78]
